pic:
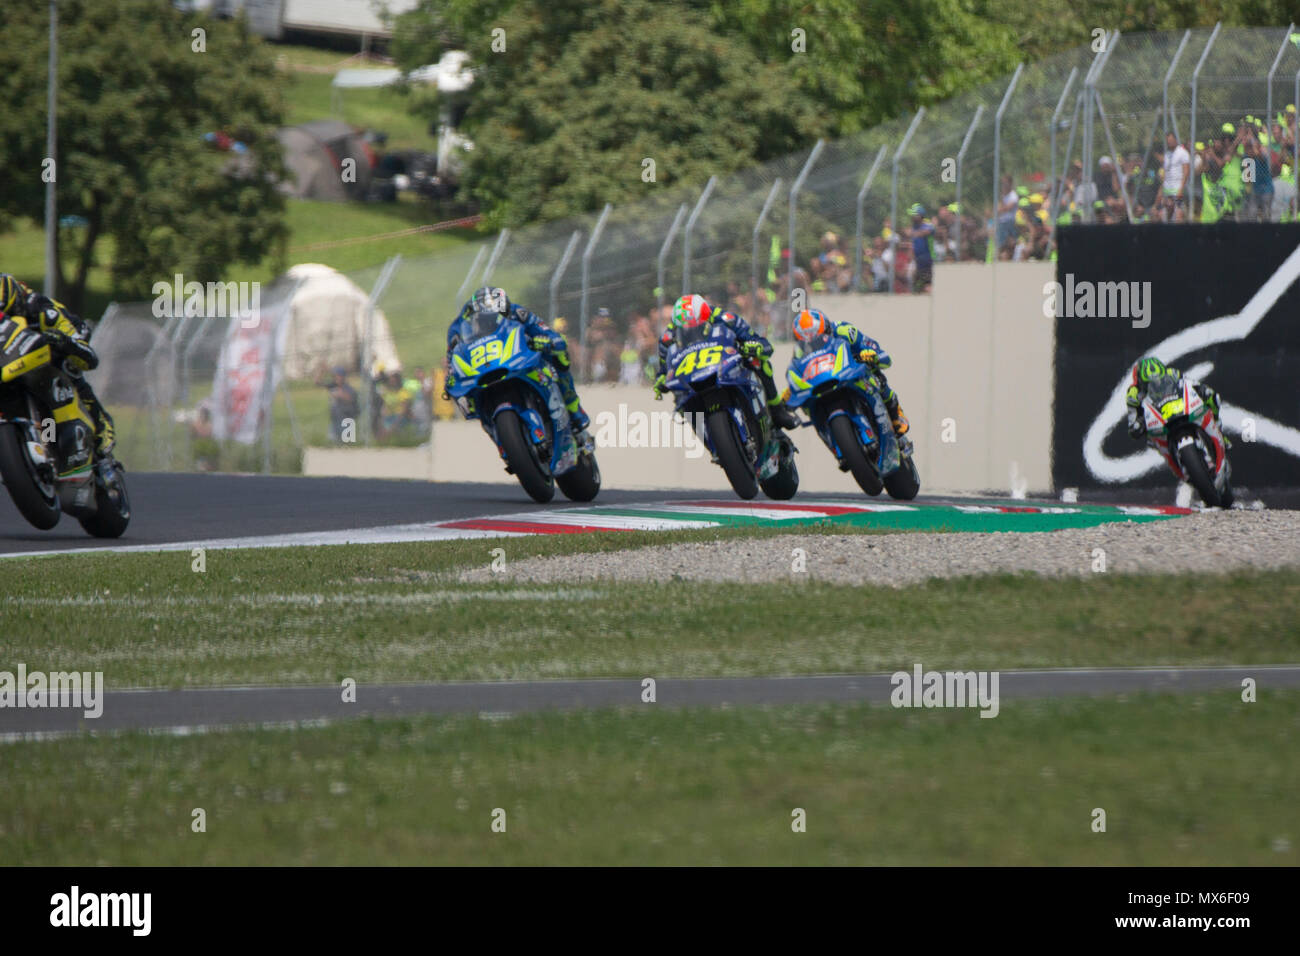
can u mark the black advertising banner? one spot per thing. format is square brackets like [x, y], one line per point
[1219, 302]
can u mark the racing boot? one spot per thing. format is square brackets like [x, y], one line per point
[105, 434]
[782, 417]
[896, 415]
[578, 419]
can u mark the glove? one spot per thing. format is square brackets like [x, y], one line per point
[541, 343]
[78, 357]
[37, 303]
[869, 356]
[659, 386]
[751, 349]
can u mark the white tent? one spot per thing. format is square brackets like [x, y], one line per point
[328, 318]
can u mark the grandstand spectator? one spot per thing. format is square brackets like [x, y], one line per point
[421, 388]
[1178, 172]
[344, 404]
[881, 255]
[1257, 168]
[395, 403]
[1006, 217]
[921, 232]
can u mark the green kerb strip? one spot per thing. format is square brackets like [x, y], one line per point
[927, 518]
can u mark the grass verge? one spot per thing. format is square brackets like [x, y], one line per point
[1184, 780]
[390, 613]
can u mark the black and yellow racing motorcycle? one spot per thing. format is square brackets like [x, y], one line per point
[48, 454]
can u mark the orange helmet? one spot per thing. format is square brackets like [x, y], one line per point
[691, 310]
[809, 324]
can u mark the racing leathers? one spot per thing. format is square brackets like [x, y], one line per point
[541, 338]
[1137, 392]
[69, 336]
[870, 351]
[756, 348]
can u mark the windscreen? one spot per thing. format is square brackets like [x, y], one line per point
[1163, 387]
[815, 344]
[689, 335]
[484, 323]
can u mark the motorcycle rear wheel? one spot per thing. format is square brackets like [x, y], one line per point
[582, 482]
[112, 508]
[783, 485]
[905, 483]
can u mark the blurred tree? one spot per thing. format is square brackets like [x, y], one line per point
[136, 96]
[867, 61]
[574, 96]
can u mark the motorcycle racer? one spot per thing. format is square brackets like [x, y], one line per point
[691, 310]
[492, 305]
[70, 335]
[810, 324]
[1151, 369]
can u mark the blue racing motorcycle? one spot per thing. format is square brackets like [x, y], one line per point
[842, 397]
[715, 388]
[498, 378]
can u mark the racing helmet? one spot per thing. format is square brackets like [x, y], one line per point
[690, 311]
[1150, 368]
[809, 324]
[487, 308]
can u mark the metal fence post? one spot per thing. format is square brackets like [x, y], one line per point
[1268, 109]
[1054, 196]
[586, 276]
[497, 249]
[758, 228]
[1196, 78]
[690, 227]
[794, 199]
[961, 159]
[997, 154]
[663, 253]
[862, 201]
[558, 275]
[893, 190]
[367, 344]
[1105, 125]
[1093, 101]
[1167, 117]
[469, 276]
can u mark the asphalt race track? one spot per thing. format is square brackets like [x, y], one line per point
[169, 507]
[190, 711]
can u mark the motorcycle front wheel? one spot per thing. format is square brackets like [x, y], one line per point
[731, 454]
[34, 497]
[521, 454]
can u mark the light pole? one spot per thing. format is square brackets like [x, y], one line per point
[51, 146]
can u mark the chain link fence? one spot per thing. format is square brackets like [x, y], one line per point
[1076, 138]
